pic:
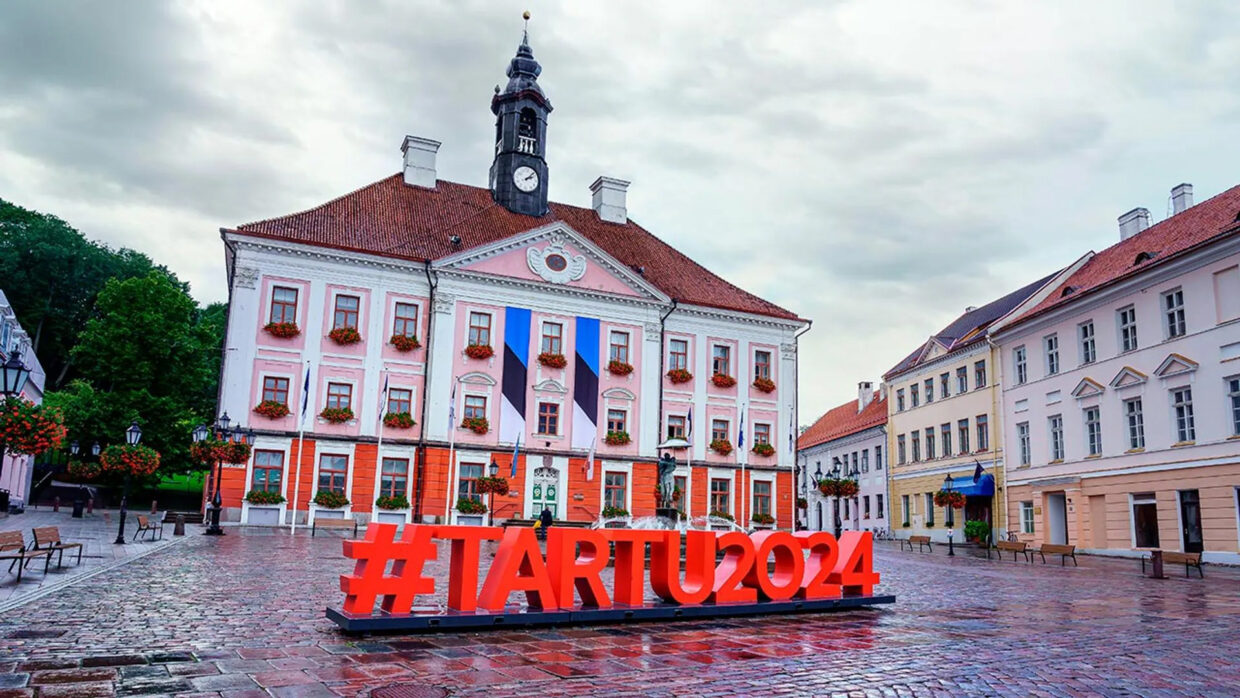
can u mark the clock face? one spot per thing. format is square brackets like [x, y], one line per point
[525, 178]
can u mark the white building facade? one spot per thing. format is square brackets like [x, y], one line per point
[17, 471]
[850, 440]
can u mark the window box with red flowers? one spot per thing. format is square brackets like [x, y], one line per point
[479, 351]
[721, 446]
[763, 519]
[478, 425]
[679, 375]
[404, 343]
[271, 409]
[552, 360]
[492, 485]
[282, 330]
[398, 420]
[764, 449]
[616, 438]
[468, 505]
[262, 497]
[619, 368]
[345, 336]
[392, 502]
[336, 415]
[722, 380]
[330, 500]
[766, 385]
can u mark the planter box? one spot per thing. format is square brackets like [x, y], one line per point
[322, 513]
[469, 519]
[392, 516]
[263, 516]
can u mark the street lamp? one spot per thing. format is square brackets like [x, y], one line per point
[220, 431]
[133, 435]
[835, 475]
[13, 375]
[493, 471]
[947, 487]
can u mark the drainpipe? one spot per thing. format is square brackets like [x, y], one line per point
[432, 283]
[662, 366]
[996, 361]
[796, 415]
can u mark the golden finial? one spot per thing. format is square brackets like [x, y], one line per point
[526, 15]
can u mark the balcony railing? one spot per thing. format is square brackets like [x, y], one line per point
[525, 144]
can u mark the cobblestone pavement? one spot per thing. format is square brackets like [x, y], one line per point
[243, 616]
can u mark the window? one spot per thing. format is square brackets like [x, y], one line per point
[283, 304]
[548, 418]
[983, 432]
[718, 430]
[1145, 520]
[847, 505]
[406, 322]
[762, 364]
[614, 486]
[1026, 517]
[962, 431]
[268, 468]
[761, 497]
[1136, 423]
[1233, 394]
[901, 450]
[945, 432]
[340, 396]
[721, 360]
[929, 385]
[678, 354]
[1055, 426]
[962, 380]
[855, 466]
[1182, 403]
[617, 420]
[900, 400]
[1022, 439]
[865, 461]
[916, 446]
[1089, 352]
[878, 457]
[929, 443]
[1051, 344]
[619, 347]
[681, 483]
[400, 400]
[878, 504]
[1020, 358]
[1093, 431]
[467, 488]
[346, 312]
[945, 380]
[761, 433]
[675, 426]
[1173, 311]
[552, 338]
[865, 510]
[905, 512]
[979, 375]
[394, 477]
[276, 390]
[475, 407]
[480, 329]
[333, 471]
[914, 395]
[929, 508]
[719, 491]
[1127, 328]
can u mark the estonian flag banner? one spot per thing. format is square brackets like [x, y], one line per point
[516, 366]
[585, 383]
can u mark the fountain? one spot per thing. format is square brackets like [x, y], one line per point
[667, 516]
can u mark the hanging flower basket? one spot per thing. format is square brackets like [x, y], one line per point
[478, 425]
[271, 409]
[330, 500]
[616, 438]
[763, 519]
[679, 375]
[479, 351]
[832, 487]
[29, 429]
[619, 368]
[466, 505]
[336, 415]
[283, 330]
[492, 485]
[123, 459]
[721, 446]
[264, 497]
[214, 451]
[802, 503]
[766, 385]
[614, 512]
[390, 502]
[344, 336]
[552, 360]
[722, 380]
[398, 420]
[79, 471]
[404, 343]
[764, 449]
[953, 499]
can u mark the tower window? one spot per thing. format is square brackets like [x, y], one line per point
[527, 132]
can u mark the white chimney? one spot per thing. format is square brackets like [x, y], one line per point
[1181, 197]
[420, 161]
[1133, 222]
[865, 395]
[609, 194]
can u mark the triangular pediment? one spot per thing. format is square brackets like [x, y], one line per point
[932, 349]
[1174, 365]
[1128, 376]
[557, 255]
[1088, 387]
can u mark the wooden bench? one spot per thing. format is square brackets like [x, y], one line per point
[13, 547]
[342, 524]
[152, 525]
[48, 538]
[1063, 551]
[1173, 558]
[1014, 546]
[921, 541]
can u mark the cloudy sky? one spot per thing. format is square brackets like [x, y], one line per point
[874, 166]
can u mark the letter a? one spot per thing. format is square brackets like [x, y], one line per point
[518, 566]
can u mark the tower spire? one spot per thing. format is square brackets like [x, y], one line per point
[519, 172]
[525, 34]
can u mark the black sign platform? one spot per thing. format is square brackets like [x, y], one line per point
[429, 620]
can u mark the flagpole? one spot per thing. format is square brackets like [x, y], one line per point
[301, 440]
[379, 445]
[451, 453]
[744, 460]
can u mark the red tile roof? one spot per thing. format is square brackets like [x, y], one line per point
[1185, 231]
[844, 420]
[393, 219]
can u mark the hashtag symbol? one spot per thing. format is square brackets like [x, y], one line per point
[370, 580]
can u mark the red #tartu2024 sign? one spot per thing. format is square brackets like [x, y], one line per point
[809, 565]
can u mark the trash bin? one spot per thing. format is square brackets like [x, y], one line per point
[4, 500]
[79, 508]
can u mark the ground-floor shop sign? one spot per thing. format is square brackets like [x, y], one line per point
[694, 574]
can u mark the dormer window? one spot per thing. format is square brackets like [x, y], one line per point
[1143, 257]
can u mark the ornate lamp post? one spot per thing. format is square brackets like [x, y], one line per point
[947, 487]
[133, 435]
[493, 471]
[221, 431]
[835, 475]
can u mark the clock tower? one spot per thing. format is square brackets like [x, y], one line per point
[519, 173]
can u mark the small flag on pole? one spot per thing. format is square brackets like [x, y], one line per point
[689, 424]
[516, 449]
[590, 460]
[792, 430]
[452, 409]
[383, 395]
[977, 473]
[740, 435]
[305, 394]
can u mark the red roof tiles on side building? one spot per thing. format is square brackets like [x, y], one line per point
[844, 420]
[393, 219]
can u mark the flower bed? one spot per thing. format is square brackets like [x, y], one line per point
[763, 519]
[465, 505]
[283, 330]
[398, 420]
[330, 500]
[404, 343]
[271, 409]
[390, 502]
[764, 449]
[216, 451]
[679, 375]
[616, 438]
[721, 446]
[478, 425]
[123, 459]
[619, 368]
[29, 429]
[264, 497]
[614, 512]
[943, 498]
[479, 351]
[722, 380]
[336, 415]
[492, 485]
[766, 385]
[552, 360]
[344, 336]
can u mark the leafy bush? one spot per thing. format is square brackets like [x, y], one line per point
[330, 500]
[389, 502]
[264, 497]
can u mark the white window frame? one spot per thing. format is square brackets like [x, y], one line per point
[1050, 348]
[1189, 429]
[1126, 322]
[1134, 423]
[1171, 303]
[1026, 518]
[1054, 432]
[1232, 384]
[1093, 429]
[1020, 358]
[1022, 440]
[1086, 339]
